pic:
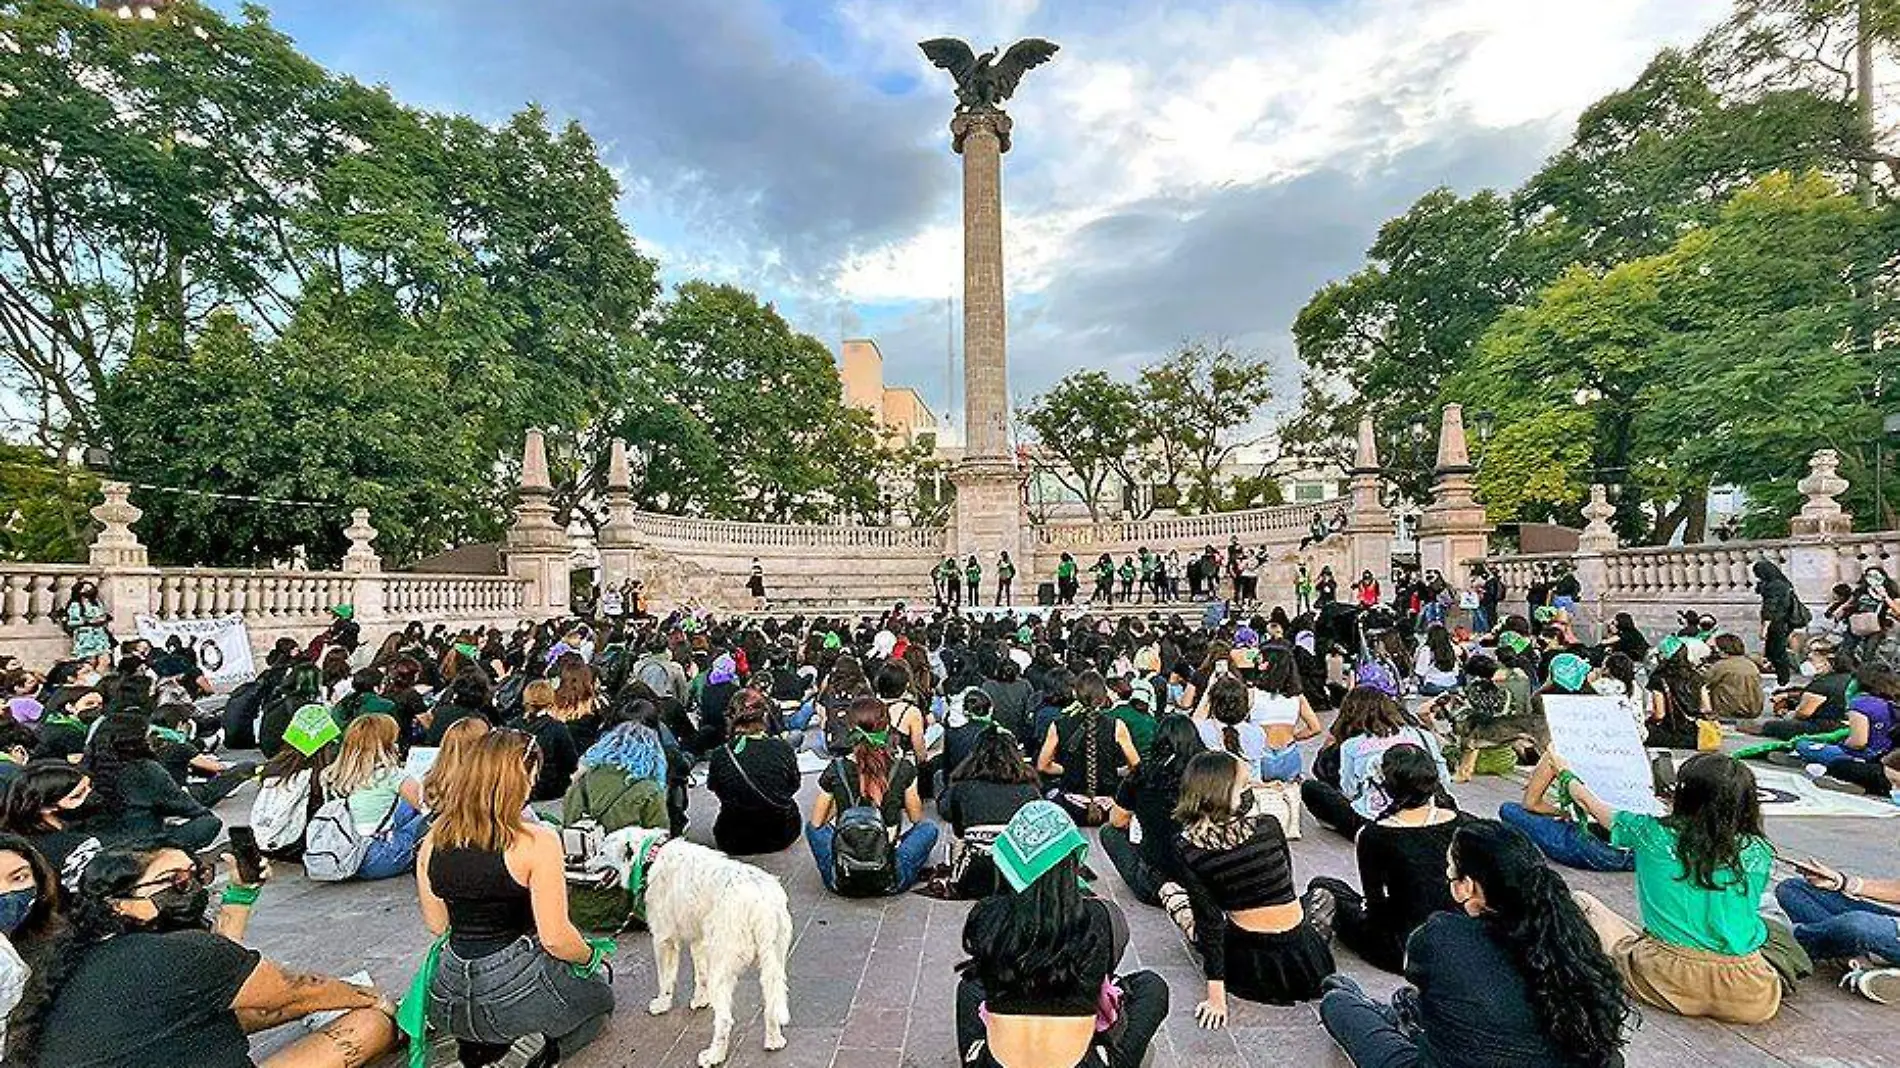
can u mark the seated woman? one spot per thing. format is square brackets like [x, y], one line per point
[1436, 666]
[1401, 863]
[622, 781]
[29, 914]
[1734, 681]
[1281, 707]
[137, 797]
[1032, 993]
[514, 971]
[1560, 830]
[142, 976]
[1359, 799]
[1141, 835]
[302, 685]
[1677, 697]
[458, 742]
[1084, 753]
[559, 759]
[1700, 874]
[1870, 731]
[873, 778]
[469, 695]
[46, 804]
[385, 802]
[1253, 933]
[1514, 976]
[986, 790]
[1848, 918]
[206, 778]
[756, 778]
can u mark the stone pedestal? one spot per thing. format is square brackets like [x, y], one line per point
[1369, 523]
[536, 548]
[619, 540]
[990, 519]
[1821, 513]
[1452, 529]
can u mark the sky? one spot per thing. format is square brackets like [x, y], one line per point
[1180, 171]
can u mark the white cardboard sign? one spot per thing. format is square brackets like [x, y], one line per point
[1597, 738]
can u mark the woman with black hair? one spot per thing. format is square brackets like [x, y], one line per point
[986, 790]
[756, 778]
[1700, 875]
[1436, 665]
[1255, 936]
[1147, 799]
[1870, 617]
[137, 796]
[1401, 859]
[1781, 613]
[302, 686]
[468, 696]
[1677, 697]
[1085, 753]
[1039, 987]
[144, 977]
[1514, 976]
[1012, 698]
[1627, 638]
[29, 915]
[47, 803]
[86, 619]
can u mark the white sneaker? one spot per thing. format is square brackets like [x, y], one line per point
[1878, 985]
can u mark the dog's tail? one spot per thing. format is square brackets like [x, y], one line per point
[774, 939]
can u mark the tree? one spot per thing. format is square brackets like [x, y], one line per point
[1086, 430]
[43, 507]
[1198, 402]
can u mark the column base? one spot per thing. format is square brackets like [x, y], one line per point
[990, 517]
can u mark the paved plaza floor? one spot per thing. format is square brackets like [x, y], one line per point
[872, 981]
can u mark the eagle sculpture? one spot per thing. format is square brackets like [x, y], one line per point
[984, 82]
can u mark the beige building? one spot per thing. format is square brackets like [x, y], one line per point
[899, 408]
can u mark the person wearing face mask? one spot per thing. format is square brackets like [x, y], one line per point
[46, 804]
[143, 976]
[1514, 977]
[29, 912]
[1870, 617]
[68, 719]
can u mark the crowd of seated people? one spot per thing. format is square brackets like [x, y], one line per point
[486, 764]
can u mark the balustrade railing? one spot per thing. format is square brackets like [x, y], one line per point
[255, 595]
[1213, 529]
[1713, 570]
[726, 533]
[32, 594]
[410, 596]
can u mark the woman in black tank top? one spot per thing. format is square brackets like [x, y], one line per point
[495, 885]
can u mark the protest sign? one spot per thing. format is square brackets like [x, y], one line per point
[222, 645]
[1604, 747]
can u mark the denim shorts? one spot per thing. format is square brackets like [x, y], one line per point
[1281, 765]
[517, 991]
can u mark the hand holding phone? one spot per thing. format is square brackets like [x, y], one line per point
[247, 857]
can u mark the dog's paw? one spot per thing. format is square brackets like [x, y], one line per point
[660, 1006]
[712, 1055]
[701, 999]
[774, 1039]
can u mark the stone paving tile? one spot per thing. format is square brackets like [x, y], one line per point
[872, 981]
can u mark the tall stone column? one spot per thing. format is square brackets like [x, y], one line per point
[619, 539]
[1452, 529]
[990, 515]
[1369, 524]
[536, 548]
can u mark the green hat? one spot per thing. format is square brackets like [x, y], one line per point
[1544, 613]
[1038, 837]
[343, 611]
[832, 641]
[1570, 671]
[311, 729]
[1514, 641]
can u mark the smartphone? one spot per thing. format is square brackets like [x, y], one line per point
[250, 861]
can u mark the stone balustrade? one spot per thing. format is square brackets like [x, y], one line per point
[1172, 531]
[203, 593]
[792, 536]
[1689, 574]
[452, 596]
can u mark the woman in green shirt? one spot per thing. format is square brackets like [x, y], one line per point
[1700, 874]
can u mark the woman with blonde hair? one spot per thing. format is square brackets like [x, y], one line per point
[457, 742]
[385, 802]
[514, 976]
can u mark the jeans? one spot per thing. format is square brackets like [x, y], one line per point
[1481, 617]
[1143, 881]
[1833, 926]
[518, 991]
[1566, 843]
[1281, 765]
[1368, 1031]
[393, 852]
[1787, 729]
[1821, 752]
[1144, 1008]
[913, 853]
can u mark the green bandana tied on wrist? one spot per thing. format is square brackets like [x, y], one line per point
[1038, 837]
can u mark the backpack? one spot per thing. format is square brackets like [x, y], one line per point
[652, 671]
[333, 848]
[837, 725]
[863, 860]
[240, 715]
[281, 812]
[508, 695]
[1798, 614]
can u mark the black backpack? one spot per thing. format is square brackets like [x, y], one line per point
[863, 861]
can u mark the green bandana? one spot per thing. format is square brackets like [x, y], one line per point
[1669, 646]
[1038, 837]
[468, 650]
[311, 729]
[877, 738]
[833, 642]
[412, 1015]
[1570, 671]
[1514, 642]
[172, 736]
[637, 875]
[344, 611]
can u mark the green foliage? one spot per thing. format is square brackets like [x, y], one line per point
[1088, 427]
[43, 507]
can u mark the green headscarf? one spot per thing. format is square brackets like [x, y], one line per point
[1570, 671]
[343, 611]
[1038, 837]
[1669, 646]
[1514, 642]
[832, 641]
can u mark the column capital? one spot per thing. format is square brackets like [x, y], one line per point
[964, 123]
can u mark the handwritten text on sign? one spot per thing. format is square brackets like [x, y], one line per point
[1600, 742]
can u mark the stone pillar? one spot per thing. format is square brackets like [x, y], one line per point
[126, 577]
[361, 558]
[1369, 523]
[619, 539]
[990, 515]
[536, 548]
[1814, 563]
[1593, 568]
[1452, 528]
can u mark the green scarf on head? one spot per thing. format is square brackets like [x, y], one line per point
[861, 736]
[1038, 837]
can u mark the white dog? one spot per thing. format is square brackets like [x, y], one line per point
[728, 914]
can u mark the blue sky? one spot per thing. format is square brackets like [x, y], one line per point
[1181, 170]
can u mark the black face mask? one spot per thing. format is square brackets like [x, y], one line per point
[180, 910]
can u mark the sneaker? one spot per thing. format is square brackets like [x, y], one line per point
[1839, 786]
[1786, 759]
[528, 1051]
[1322, 909]
[1878, 985]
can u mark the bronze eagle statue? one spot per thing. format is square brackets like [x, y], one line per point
[984, 82]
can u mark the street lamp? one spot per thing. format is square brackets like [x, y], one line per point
[1484, 422]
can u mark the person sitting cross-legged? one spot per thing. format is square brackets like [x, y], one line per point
[1848, 918]
[873, 780]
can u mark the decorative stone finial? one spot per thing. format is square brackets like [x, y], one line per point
[1822, 514]
[534, 464]
[1598, 535]
[116, 545]
[1366, 457]
[619, 474]
[1453, 455]
[361, 558]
